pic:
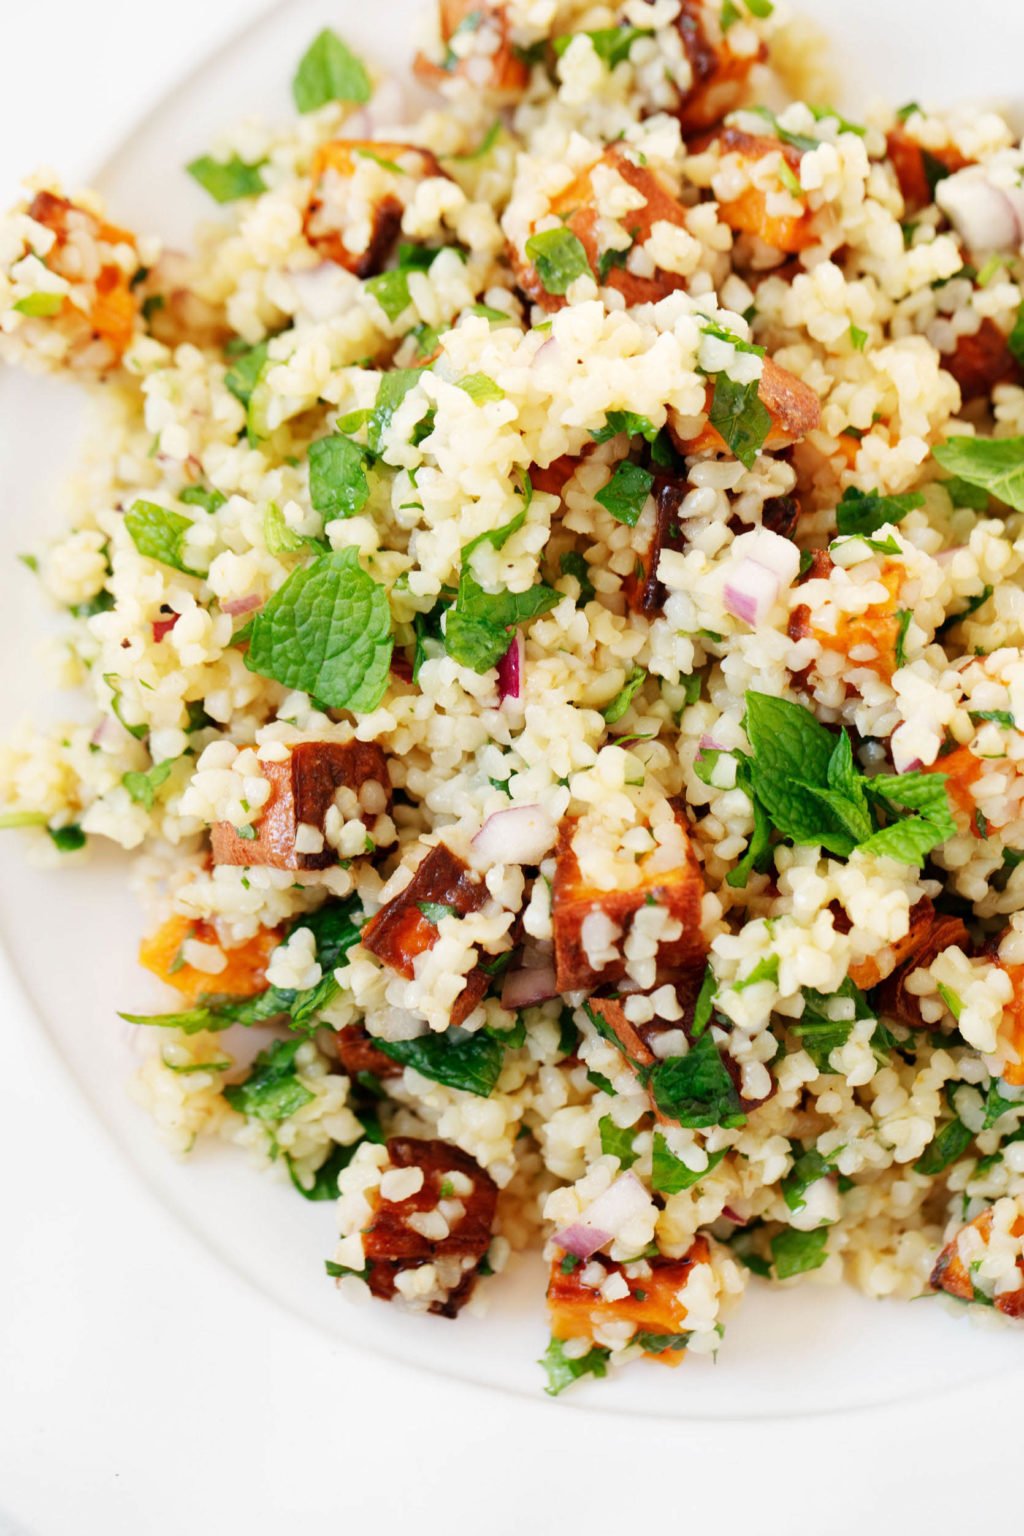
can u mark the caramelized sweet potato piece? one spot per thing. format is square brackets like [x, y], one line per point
[1012, 1027]
[719, 75]
[679, 890]
[577, 206]
[962, 769]
[643, 591]
[401, 930]
[302, 790]
[982, 361]
[333, 164]
[952, 1275]
[748, 213]
[499, 70]
[940, 931]
[793, 406]
[878, 627]
[918, 170]
[868, 973]
[554, 477]
[391, 1245]
[358, 1053]
[111, 316]
[244, 976]
[653, 1304]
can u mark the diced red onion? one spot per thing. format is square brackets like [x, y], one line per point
[944, 556]
[532, 984]
[524, 834]
[751, 592]
[401, 667]
[709, 744]
[580, 1240]
[546, 352]
[237, 605]
[163, 627]
[510, 669]
[731, 1215]
[987, 217]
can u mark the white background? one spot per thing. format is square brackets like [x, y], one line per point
[144, 1390]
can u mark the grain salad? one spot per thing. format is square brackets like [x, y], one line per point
[548, 577]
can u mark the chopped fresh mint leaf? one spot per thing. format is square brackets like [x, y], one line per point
[338, 486]
[614, 712]
[436, 911]
[864, 512]
[808, 1168]
[795, 1253]
[997, 1105]
[949, 1144]
[626, 493]
[198, 496]
[573, 564]
[246, 367]
[472, 1064]
[740, 418]
[819, 1032]
[562, 1370]
[696, 1090]
[611, 44]
[559, 258]
[627, 422]
[227, 180]
[995, 465]
[669, 1174]
[325, 1179]
[329, 71]
[391, 290]
[159, 534]
[616, 1142]
[393, 388]
[480, 388]
[142, 787]
[272, 1091]
[67, 839]
[41, 305]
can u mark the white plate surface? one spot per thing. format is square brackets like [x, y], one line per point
[812, 1351]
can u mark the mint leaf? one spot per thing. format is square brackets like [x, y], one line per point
[617, 1142]
[436, 911]
[338, 486]
[795, 1253]
[159, 534]
[757, 856]
[272, 1091]
[629, 423]
[614, 711]
[626, 492]
[393, 388]
[67, 839]
[572, 563]
[328, 71]
[326, 632]
[911, 838]
[611, 44]
[996, 465]
[478, 629]
[40, 305]
[740, 418]
[996, 1105]
[227, 180]
[949, 1144]
[563, 1371]
[391, 290]
[696, 1090]
[480, 388]
[142, 787]
[472, 1064]
[241, 378]
[559, 258]
[809, 1167]
[792, 751]
[669, 1174]
[325, 1179]
[660, 1343]
[864, 512]
[818, 1032]
[199, 496]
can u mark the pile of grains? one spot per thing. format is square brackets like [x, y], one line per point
[550, 581]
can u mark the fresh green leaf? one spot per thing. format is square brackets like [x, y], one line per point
[997, 1105]
[809, 1167]
[190, 1022]
[227, 180]
[142, 787]
[973, 604]
[67, 839]
[573, 564]
[660, 1343]
[611, 44]
[391, 290]
[696, 1090]
[669, 1174]
[616, 1142]
[626, 493]
[1015, 340]
[559, 258]
[246, 367]
[766, 969]
[198, 496]
[393, 388]
[949, 1144]
[41, 305]
[627, 422]
[758, 854]
[864, 512]
[858, 338]
[472, 1064]
[562, 1371]
[996, 465]
[951, 1000]
[326, 632]
[338, 486]
[328, 71]
[436, 911]
[485, 146]
[729, 15]
[614, 711]
[791, 751]
[325, 1179]
[905, 615]
[480, 388]
[819, 1032]
[704, 1006]
[795, 1253]
[272, 1091]
[740, 418]
[159, 534]
[138, 731]
[339, 1271]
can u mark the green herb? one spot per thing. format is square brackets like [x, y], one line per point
[142, 787]
[669, 1174]
[795, 1253]
[436, 911]
[801, 141]
[950, 1143]
[951, 1000]
[485, 146]
[858, 338]
[40, 305]
[247, 834]
[626, 493]
[809, 1167]
[696, 1090]
[67, 839]
[703, 1007]
[325, 1179]
[328, 71]
[627, 422]
[569, 1263]
[973, 604]
[326, 632]
[611, 44]
[339, 1271]
[391, 290]
[243, 375]
[338, 486]
[159, 534]
[563, 1371]
[600, 1082]
[740, 418]
[198, 1066]
[729, 15]
[381, 160]
[1015, 340]
[272, 1091]
[614, 711]
[996, 1105]
[393, 388]
[472, 1064]
[227, 180]
[100, 602]
[998, 716]
[478, 630]
[10, 820]
[762, 9]
[616, 1142]
[660, 1343]
[198, 496]
[818, 1032]
[996, 465]
[573, 564]
[864, 512]
[907, 111]
[559, 258]
[480, 388]
[904, 615]
[138, 731]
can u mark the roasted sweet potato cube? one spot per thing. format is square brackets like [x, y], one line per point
[577, 206]
[401, 930]
[982, 361]
[1011, 1030]
[358, 1053]
[962, 770]
[930, 933]
[793, 406]
[876, 629]
[643, 591]
[953, 1276]
[748, 213]
[112, 310]
[303, 787]
[719, 75]
[391, 1244]
[918, 170]
[636, 1041]
[680, 890]
[333, 164]
[652, 1306]
[244, 976]
[869, 972]
[499, 70]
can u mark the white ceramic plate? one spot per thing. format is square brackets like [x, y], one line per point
[803, 1351]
